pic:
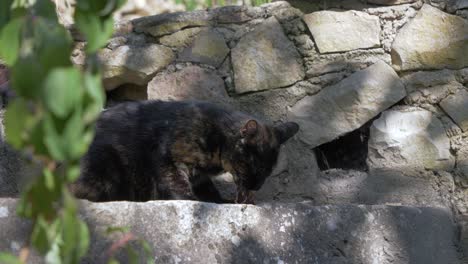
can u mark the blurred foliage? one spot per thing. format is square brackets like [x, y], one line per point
[53, 114]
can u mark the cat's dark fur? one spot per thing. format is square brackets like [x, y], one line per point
[169, 150]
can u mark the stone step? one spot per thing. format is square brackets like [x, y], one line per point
[194, 232]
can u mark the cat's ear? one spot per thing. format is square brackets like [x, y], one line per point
[249, 129]
[286, 130]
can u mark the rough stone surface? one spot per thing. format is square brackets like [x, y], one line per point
[390, 2]
[424, 79]
[293, 177]
[409, 138]
[343, 31]
[208, 47]
[348, 104]
[383, 186]
[133, 64]
[454, 5]
[191, 82]
[270, 233]
[265, 58]
[456, 106]
[432, 40]
[180, 39]
[164, 24]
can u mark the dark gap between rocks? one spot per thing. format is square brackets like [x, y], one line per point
[346, 152]
[126, 92]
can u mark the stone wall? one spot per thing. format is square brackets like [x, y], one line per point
[390, 76]
[396, 71]
[378, 87]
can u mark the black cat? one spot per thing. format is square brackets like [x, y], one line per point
[169, 150]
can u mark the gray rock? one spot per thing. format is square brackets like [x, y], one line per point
[390, 2]
[456, 106]
[454, 5]
[381, 186]
[423, 79]
[164, 24]
[265, 59]
[318, 64]
[343, 31]
[191, 82]
[294, 176]
[208, 47]
[407, 139]
[232, 14]
[347, 105]
[432, 40]
[270, 233]
[181, 38]
[133, 64]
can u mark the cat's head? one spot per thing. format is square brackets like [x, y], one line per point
[257, 151]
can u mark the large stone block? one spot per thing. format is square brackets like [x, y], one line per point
[164, 24]
[133, 64]
[208, 47]
[193, 232]
[265, 59]
[343, 31]
[456, 106]
[390, 2]
[432, 40]
[407, 139]
[347, 105]
[191, 82]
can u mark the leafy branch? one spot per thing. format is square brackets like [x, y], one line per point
[53, 114]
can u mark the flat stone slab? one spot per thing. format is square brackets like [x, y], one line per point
[133, 64]
[208, 47]
[456, 106]
[347, 105]
[409, 138]
[431, 40]
[193, 232]
[390, 2]
[188, 83]
[168, 23]
[265, 59]
[343, 31]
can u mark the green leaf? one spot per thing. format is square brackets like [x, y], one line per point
[95, 30]
[73, 173]
[117, 229]
[17, 121]
[36, 139]
[53, 255]
[40, 237]
[132, 255]
[62, 91]
[73, 134]
[113, 261]
[53, 140]
[46, 9]
[10, 41]
[27, 76]
[49, 179]
[53, 44]
[6, 258]
[95, 97]
[75, 233]
[5, 12]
